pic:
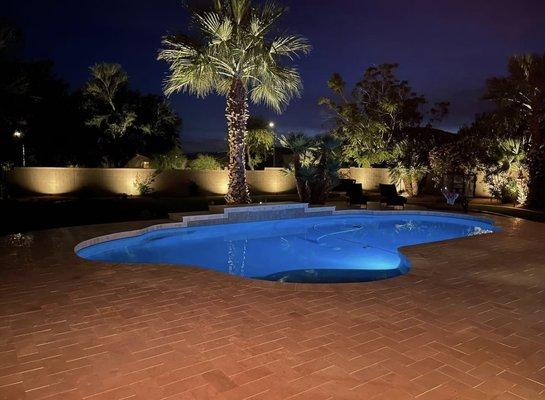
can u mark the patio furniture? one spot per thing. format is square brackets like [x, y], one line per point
[344, 185]
[390, 197]
[355, 195]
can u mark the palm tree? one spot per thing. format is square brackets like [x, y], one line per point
[408, 164]
[299, 145]
[314, 165]
[521, 95]
[235, 54]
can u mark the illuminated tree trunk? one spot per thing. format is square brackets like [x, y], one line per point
[536, 167]
[411, 185]
[236, 113]
[250, 161]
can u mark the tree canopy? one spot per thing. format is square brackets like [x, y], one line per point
[235, 39]
[376, 113]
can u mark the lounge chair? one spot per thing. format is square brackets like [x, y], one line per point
[343, 186]
[390, 197]
[356, 196]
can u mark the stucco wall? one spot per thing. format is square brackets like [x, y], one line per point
[481, 188]
[45, 180]
[49, 180]
[369, 178]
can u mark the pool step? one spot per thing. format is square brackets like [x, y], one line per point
[261, 212]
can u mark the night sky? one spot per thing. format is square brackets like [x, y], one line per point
[445, 48]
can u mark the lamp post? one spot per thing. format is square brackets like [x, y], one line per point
[18, 135]
[271, 126]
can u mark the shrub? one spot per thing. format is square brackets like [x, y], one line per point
[314, 165]
[203, 162]
[507, 174]
[173, 159]
[144, 184]
[408, 165]
[5, 167]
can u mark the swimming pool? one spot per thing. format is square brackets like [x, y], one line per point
[337, 248]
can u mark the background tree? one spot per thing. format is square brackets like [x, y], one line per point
[259, 141]
[459, 160]
[125, 122]
[34, 101]
[104, 94]
[204, 162]
[235, 54]
[173, 159]
[521, 96]
[363, 139]
[376, 114]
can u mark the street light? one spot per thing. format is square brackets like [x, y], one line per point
[18, 135]
[271, 126]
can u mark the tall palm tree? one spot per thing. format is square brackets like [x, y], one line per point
[521, 94]
[235, 54]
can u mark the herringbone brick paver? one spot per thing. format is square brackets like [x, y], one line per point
[467, 323]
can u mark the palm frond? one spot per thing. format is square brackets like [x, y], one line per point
[275, 86]
[239, 10]
[289, 46]
[264, 19]
[216, 26]
[234, 44]
[191, 70]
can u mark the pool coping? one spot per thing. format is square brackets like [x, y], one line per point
[174, 225]
[265, 284]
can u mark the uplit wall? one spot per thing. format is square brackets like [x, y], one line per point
[481, 188]
[108, 181]
[46, 180]
[369, 178]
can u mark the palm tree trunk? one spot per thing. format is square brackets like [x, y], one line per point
[299, 183]
[536, 168]
[408, 183]
[236, 113]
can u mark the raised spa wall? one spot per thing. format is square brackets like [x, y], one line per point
[258, 213]
[235, 214]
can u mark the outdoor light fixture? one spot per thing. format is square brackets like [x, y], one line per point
[271, 125]
[19, 135]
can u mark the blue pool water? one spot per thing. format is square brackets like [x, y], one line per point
[340, 248]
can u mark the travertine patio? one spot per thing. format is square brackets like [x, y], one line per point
[468, 322]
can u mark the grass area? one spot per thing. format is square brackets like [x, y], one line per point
[33, 213]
